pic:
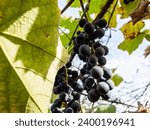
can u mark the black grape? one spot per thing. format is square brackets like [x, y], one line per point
[101, 23]
[96, 45]
[68, 64]
[56, 110]
[88, 28]
[102, 88]
[63, 96]
[82, 22]
[68, 110]
[107, 73]
[79, 39]
[74, 74]
[79, 88]
[84, 77]
[76, 107]
[76, 49]
[99, 51]
[106, 50]
[110, 83]
[96, 72]
[102, 60]
[84, 50]
[89, 82]
[126, 1]
[93, 96]
[76, 95]
[92, 60]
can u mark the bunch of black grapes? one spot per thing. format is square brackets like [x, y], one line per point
[93, 79]
[127, 1]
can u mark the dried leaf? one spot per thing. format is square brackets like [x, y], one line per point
[147, 51]
[141, 11]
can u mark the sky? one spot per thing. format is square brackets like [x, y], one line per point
[134, 68]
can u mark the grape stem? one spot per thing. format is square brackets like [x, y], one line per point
[67, 6]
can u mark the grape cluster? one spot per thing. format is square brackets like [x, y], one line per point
[92, 79]
[127, 1]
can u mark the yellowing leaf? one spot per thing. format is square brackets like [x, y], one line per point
[130, 31]
[141, 12]
[147, 51]
[32, 52]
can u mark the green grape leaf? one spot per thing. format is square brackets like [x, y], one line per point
[107, 16]
[76, 3]
[130, 45]
[31, 54]
[133, 36]
[106, 109]
[126, 9]
[147, 34]
[117, 79]
[96, 6]
[68, 26]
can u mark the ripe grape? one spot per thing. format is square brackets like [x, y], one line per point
[84, 50]
[68, 64]
[99, 51]
[107, 73]
[92, 60]
[68, 110]
[88, 28]
[102, 88]
[74, 74]
[89, 82]
[101, 23]
[63, 96]
[82, 22]
[126, 1]
[79, 39]
[96, 72]
[106, 50]
[101, 60]
[76, 95]
[110, 83]
[76, 107]
[93, 96]
[79, 88]
[56, 110]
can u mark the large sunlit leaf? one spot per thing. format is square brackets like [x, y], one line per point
[96, 6]
[30, 54]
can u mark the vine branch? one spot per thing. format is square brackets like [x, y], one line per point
[103, 10]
